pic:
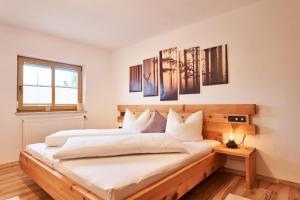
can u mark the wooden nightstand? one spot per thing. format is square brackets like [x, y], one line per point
[246, 152]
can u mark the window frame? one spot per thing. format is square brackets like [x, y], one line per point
[49, 107]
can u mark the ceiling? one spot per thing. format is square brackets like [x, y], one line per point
[111, 24]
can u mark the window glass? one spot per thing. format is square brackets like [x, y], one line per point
[66, 95]
[66, 86]
[36, 84]
[36, 95]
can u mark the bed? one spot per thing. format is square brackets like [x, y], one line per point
[152, 176]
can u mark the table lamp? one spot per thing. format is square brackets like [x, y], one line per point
[120, 121]
[231, 142]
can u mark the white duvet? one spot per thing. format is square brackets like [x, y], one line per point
[99, 146]
[59, 138]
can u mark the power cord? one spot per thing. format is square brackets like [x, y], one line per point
[242, 140]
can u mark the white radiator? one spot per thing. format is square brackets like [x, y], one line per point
[35, 130]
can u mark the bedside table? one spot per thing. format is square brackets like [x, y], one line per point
[248, 153]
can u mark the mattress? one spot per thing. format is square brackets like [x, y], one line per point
[115, 178]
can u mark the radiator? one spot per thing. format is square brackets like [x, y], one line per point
[35, 130]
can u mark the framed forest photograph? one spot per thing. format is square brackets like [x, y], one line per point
[168, 74]
[135, 78]
[189, 71]
[150, 77]
[214, 65]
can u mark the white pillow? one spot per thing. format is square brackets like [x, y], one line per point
[188, 131]
[83, 147]
[132, 123]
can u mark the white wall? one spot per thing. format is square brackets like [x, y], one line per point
[97, 74]
[264, 67]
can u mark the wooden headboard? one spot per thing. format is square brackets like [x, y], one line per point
[217, 117]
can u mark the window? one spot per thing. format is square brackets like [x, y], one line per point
[48, 86]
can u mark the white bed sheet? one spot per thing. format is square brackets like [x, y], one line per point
[115, 178]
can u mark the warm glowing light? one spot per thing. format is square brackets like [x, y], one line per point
[120, 125]
[231, 136]
[120, 121]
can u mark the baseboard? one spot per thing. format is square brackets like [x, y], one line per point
[11, 164]
[261, 177]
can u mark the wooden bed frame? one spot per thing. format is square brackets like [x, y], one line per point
[172, 186]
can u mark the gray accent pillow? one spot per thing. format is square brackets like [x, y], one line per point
[156, 124]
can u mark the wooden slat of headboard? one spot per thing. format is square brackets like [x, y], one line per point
[213, 135]
[238, 109]
[248, 129]
[219, 118]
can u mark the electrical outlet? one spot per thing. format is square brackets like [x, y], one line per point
[236, 118]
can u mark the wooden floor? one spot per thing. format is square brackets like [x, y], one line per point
[13, 182]
[220, 184]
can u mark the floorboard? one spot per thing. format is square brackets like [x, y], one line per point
[14, 183]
